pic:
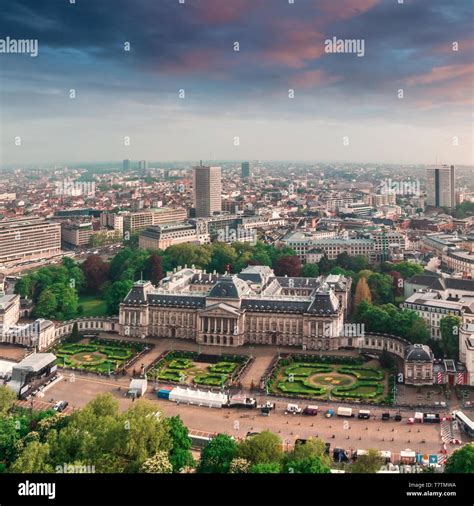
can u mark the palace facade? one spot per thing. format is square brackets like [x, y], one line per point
[252, 307]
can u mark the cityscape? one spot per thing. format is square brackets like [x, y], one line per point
[237, 241]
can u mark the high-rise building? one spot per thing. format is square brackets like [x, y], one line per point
[440, 186]
[143, 165]
[207, 188]
[127, 164]
[28, 238]
[245, 170]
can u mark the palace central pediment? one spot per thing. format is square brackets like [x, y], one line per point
[220, 309]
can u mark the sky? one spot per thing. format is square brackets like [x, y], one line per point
[161, 80]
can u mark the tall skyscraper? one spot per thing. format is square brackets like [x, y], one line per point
[143, 165]
[127, 164]
[441, 186]
[207, 188]
[245, 170]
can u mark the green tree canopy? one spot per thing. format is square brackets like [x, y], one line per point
[261, 448]
[217, 455]
[461, 461]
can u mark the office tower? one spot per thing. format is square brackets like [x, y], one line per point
[28, 238]
[245, 170]
[207, 188]
[440, 186]
[127, 164]
[143, 165]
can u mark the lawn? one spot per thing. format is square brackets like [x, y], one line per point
[192, 369]
[306, 376]
[96, 355]
[92, 306]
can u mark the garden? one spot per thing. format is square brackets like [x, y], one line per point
[191, 368]
[96, 355]
[330, 378]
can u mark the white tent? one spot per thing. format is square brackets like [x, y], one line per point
[198, 397]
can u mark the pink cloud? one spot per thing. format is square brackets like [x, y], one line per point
[223, 11]
[345, 9]
[439, 74]
[313, 78]
[453, 84]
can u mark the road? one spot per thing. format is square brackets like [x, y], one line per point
[352, 434]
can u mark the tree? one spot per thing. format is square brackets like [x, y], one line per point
[96, 272]
[9, 435]
[310, 271]
[115, 294]
[187, 254]
[325, 265]
[35, 458]
[312, 464]
[75, 333]
[7, 399]
[239, 465]
[461, 461]
[180, 454]
[386, 360]
[217, 455]
[362, 292]
[313, 447]
[381, 288]
[261, 448]
[288, 266]
[368, 463]
[266, 468]
[24, 286]
[46, 307]
[450, 326]
[159, 463]
[222, 256]
[154, 268]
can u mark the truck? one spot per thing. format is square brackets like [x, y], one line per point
[266, 405]
[242, 402]
[431, 418]
[364, 414]
[347, 412]
[311, 410]
[294, 409]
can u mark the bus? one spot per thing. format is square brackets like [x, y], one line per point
[466, 424]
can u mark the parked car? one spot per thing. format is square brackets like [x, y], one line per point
[60, 406]
[293, 409]
[385, 416]
[398, 417]
[311, 410]
[364, 414]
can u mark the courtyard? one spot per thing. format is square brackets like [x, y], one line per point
[96, 355]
